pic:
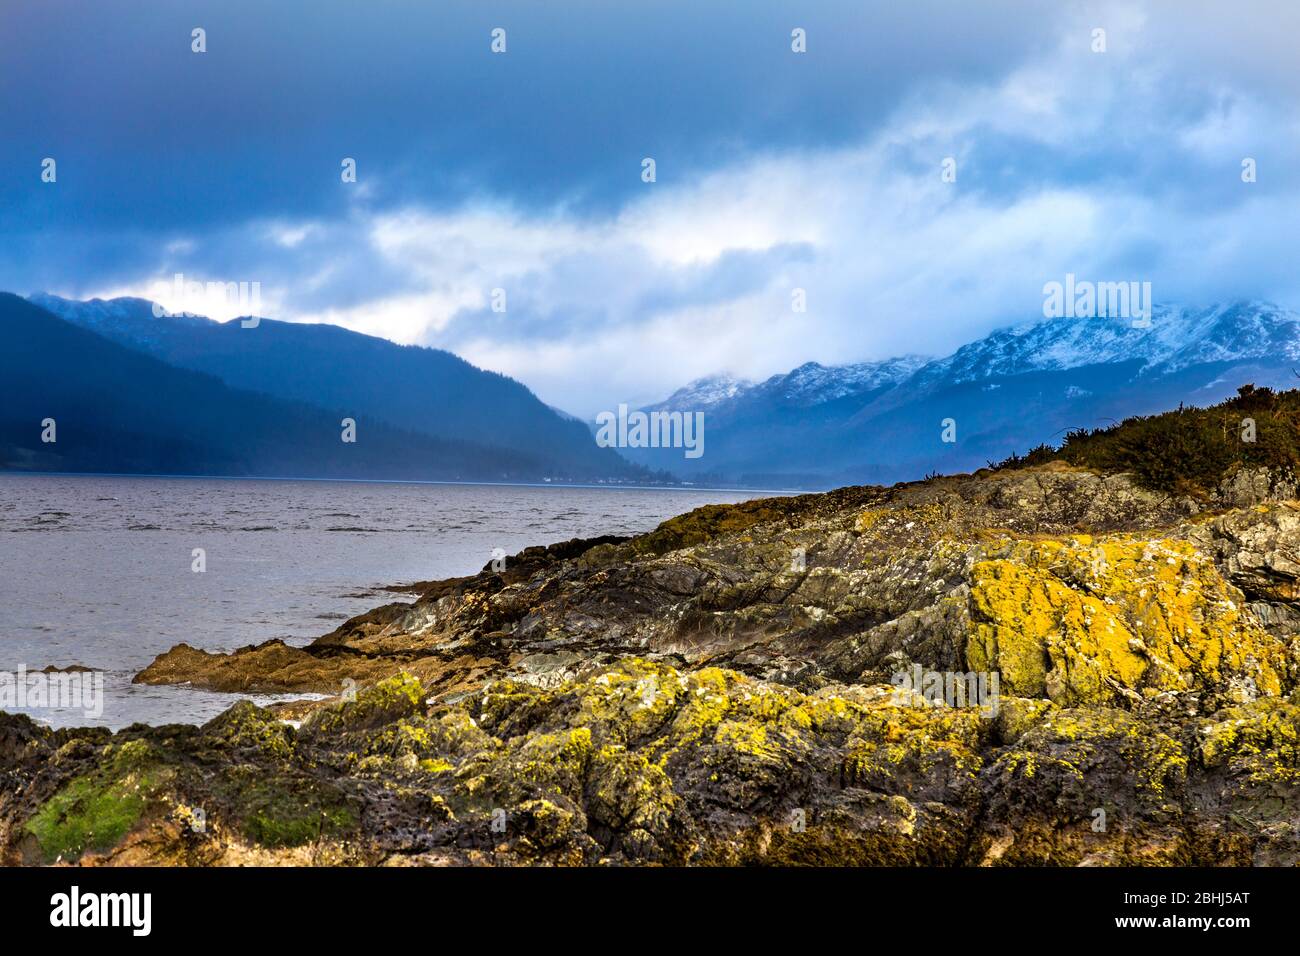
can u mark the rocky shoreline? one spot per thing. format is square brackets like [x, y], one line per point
[728, 689]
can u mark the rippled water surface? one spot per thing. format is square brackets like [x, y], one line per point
[97, 571]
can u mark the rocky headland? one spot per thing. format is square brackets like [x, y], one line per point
[765, 683]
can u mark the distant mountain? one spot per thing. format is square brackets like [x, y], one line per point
[117, 409]
[757, 432]
[708, 393]
[421, 390]
[217, 398]
[809, 384]
[1016, 388]
[1177, 338]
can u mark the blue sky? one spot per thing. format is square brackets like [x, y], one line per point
[775, 170]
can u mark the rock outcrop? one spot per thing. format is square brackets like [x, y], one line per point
[1040, 665]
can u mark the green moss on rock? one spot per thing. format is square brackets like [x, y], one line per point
[245, 726]
[96, 810]
[387, 700]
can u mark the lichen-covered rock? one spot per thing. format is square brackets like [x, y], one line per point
[1041, 665]
[1250, 758]
[1084, 621]
[1088, 786]
[641, 763]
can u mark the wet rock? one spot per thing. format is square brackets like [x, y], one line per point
[734, 687]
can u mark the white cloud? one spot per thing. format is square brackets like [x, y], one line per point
[1110, 166]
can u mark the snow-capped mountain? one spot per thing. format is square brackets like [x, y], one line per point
[809, 384]
[812, 383]
[1176, 337]
[704, 394]
[112, 317]
[818, 426]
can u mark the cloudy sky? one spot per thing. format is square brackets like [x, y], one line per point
[775, 170]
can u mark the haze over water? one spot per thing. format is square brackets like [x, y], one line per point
[96, 571]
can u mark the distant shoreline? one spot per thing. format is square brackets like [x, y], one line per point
[5, 473]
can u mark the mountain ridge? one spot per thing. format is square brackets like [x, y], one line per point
[414, 388]
[1006, 392]
[120, 409]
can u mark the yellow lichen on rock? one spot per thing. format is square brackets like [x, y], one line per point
[1074, 743]
[1018, 715]
[1083, 622]
[1260, 740]
[868, 519]
[926, 741]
